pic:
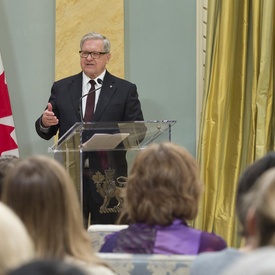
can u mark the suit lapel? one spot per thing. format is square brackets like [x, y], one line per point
[106, 93]
[75, 92]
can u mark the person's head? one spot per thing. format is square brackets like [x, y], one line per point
[94, 54]
[163, 185]
[46, 267]
[6, 162]
[42, 193]
[16, 246]
[261, 215]
[246, 182]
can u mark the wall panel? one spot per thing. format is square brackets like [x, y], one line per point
[74, 18]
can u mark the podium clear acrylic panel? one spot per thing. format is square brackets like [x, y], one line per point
[100, 155]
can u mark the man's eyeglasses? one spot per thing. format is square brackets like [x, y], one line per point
[94, 55]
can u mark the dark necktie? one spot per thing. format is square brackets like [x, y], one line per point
[90, 104]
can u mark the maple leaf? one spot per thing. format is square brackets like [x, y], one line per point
[98, 177]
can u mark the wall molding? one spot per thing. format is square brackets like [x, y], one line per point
[202, 6]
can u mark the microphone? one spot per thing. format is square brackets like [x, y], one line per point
[99, 81]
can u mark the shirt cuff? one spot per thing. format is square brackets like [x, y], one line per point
[43, 129]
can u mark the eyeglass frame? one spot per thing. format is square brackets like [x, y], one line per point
[98, 54]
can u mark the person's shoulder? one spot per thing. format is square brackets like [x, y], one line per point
[90, 268]
[212, 236]
[118, 80]
[213, 262]
[204, 259]
[98, 270]
[69, 79]
[258, 261]
[217, 255]
[211, 242]
[109, 242]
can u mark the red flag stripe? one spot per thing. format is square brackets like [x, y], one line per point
[8, 143]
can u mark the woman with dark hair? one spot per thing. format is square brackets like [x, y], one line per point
[161, 195]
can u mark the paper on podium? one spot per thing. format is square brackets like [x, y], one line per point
[104, 141]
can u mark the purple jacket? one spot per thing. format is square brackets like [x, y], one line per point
[177, 238]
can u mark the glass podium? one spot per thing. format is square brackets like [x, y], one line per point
[99, 155]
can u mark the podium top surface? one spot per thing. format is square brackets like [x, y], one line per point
[113, 135]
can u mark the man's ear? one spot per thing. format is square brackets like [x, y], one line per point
[251, 225]
[108, 58]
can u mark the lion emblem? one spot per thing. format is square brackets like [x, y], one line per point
[107, 187]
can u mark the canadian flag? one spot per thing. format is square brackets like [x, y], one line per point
[8, 142]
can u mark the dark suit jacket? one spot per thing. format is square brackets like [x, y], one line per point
[118, 101]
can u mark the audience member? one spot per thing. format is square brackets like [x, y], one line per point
[215, 262]
[41, 192]
[261, 214]
[16, 246]
[162, 193]
[260, 225]
[47, 267]
[6, 162]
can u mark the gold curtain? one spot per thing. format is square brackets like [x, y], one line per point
[237, 124]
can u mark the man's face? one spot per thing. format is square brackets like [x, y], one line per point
[93, 67]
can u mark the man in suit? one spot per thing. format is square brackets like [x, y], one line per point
[115, 100]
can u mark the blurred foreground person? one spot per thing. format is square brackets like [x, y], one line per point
[261, 225]
[41, 192]
[214, 263]
[47, 267]
[162, 193]
[259, 262]
[16, 246]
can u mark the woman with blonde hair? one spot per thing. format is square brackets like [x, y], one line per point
[161, 195]
[16, 246]
[42, 193]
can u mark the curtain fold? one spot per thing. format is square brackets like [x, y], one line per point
[237, 124]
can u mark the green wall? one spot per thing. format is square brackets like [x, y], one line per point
[161, 59]
[160, 50]
[27, 48]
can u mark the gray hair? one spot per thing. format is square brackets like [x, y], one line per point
[96, 36]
